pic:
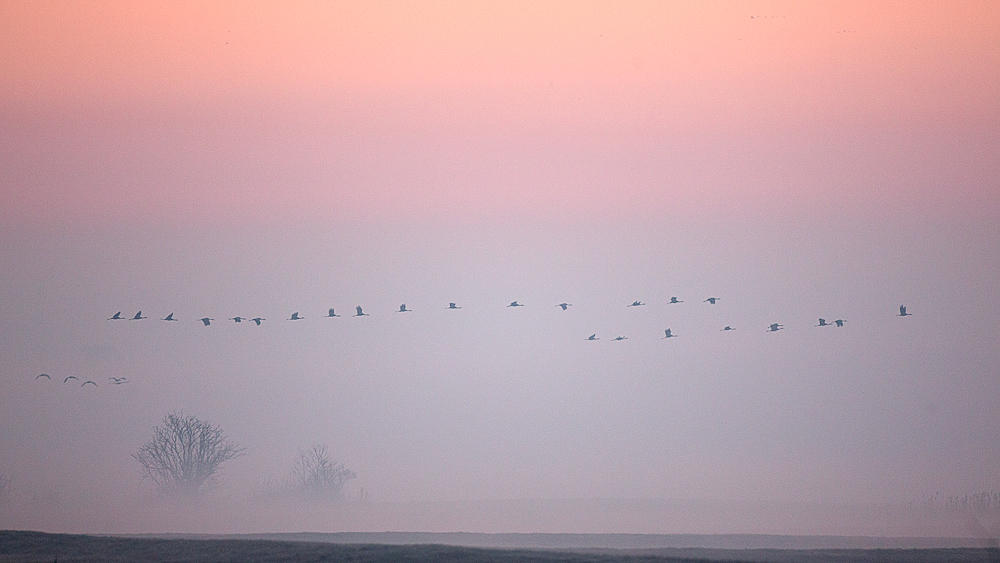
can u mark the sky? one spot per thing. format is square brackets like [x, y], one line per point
[796, 160]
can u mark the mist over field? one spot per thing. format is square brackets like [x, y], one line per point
[792, 169]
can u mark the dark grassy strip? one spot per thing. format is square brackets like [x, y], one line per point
[36, 547]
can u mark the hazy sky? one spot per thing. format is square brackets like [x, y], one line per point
[797, 160]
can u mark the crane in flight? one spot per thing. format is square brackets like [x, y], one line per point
[621, 338]
[118, 380]
[169, 317]
[206, 321]
[45, 375]
[669, 334]
[822, 322]
[257, 320]
[86, 382]
[332, 314]
[637, 304]
[839, 322]
[515, 304]
[711, 300]
[403, 309]
[117, 317]
[68, 377]
[295, 317]
[360, 313]
[138, 317]
[674, 300]
[902, 311]
[237, 319]
[564, 305]
[593, 337]
[728, 328]
[453, 306]
[775, 327]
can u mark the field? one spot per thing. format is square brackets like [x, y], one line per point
[32, 547]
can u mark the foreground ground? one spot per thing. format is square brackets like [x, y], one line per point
[21, 546]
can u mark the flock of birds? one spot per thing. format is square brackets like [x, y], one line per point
[668, 333]
[113, 380]
[359, 312]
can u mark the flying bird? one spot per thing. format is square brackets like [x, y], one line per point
[775, 327]
[621, 338]
[593, 337]
[839, 322]
[669, 334]
[138, 317]
[207, 321]
[257, 320]
[118, 380]
[237, 319]
[169, 317]
[729, 328]
[636, 304]
[674, 300]
[86, 382]
[71, 377]
[45, 375]
[403, 309]
[564, 305]
[332, 314]
[360, 312]
[711, 300]
[902, 311]
[453, 306]
[295, 317]
[117, 317]
[515, 304]
[822, 322]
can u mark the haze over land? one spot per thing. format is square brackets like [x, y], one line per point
[798, 161]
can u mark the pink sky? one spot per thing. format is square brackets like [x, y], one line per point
[797, 159]
[456, 109]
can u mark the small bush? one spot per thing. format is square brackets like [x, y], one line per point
[317, 476]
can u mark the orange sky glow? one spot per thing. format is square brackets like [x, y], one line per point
[455, 87]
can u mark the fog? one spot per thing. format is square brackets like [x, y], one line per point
[790, 197]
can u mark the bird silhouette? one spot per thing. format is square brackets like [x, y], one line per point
[636, 304]
[902, 311]
[295, 317]
[515, 304]
[729, 328]
[711, 300]
[839, 322]
[669, 334]
[621, 338]
[403, 309]
[332, 314]
[45, 375]
[257, 320]
[68, 377]
[138, 317]
[88, 381]
[169, 317]
[775, 327]
[593, 337]
[360, 312]
[117, 317]
[206, 321]
[564, 305]
[237, 319]
[453, 306]
[118, 380]
[822, 322]
[674, 300]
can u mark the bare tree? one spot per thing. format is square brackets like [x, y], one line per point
[185, 453]
[316, 475]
